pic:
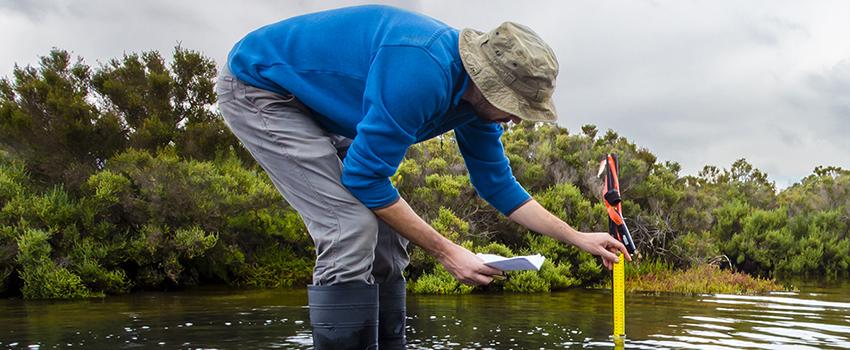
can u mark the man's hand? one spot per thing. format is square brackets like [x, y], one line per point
[467, 267]
[603, 245]
[459, 261]
[533, 216]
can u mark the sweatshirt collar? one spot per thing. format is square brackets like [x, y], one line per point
[456, 100]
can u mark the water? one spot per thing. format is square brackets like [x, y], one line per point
[818, 317]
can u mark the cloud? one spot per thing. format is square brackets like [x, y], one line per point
[697, 82]
[821, 100]
[32, 9]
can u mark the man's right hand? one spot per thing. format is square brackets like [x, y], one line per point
[467, 267]
[459, 261]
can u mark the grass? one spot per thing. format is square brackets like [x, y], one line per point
[659, 277]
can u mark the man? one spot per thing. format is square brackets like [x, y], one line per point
[328, 104]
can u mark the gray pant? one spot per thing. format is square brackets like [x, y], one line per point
[304, 162]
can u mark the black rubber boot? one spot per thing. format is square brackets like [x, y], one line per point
[344, 316]
[393, 315]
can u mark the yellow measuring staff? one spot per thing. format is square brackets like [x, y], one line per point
[610, 166]
[619, 286]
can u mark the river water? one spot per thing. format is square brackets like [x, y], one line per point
[817, 317]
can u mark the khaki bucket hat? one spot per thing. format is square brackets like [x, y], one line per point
[514, 69]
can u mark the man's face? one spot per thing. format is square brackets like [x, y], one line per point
[487, 111]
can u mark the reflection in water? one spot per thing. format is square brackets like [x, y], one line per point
[818, 318]
[792, 321]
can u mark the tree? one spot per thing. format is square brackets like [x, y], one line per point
[166, 105]
[48, 119]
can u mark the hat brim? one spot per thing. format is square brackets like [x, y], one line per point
[484, 75]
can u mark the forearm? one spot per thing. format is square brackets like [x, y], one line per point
[535, 217]
[401, 217]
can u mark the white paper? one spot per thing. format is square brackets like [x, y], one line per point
[517, 263]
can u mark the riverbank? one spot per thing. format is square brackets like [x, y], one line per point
[641, 277]
[648, 278]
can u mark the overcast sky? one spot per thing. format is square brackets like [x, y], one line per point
[696, 82]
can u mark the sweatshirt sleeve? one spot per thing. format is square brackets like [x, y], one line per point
[489, 168]
[405, 88]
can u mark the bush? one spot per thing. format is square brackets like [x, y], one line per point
[558, 276]
[87, 259]
[567, 203]
[527, 282]
[550, 277]
[277, 267]
[13, 179]
[42, 278]
[438, 281]
[495, 248]
[696, 248]
[582, 267]
[164, 253]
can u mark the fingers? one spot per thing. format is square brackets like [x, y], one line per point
[622, 248]
[468, 268]
[485, 274]
[479, 276]
[609, 257]
[476, 280]
[490, 271]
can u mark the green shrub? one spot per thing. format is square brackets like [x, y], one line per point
[13, 179]
[47, 281]
[558, 276]
[495, 248]
[193, 241]
[52, 211]
[566, 202]
[547, 246]
[438, 281]
[589, 270]
[277, 267]
[42, 278]
[450, 226]
[223, 263]
[163, 254]
[696, 248]
[583, 267]
[87, 259]
[527, 282]
[8, 256]
[550, 277]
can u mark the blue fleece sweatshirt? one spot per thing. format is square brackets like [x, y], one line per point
[387, 78]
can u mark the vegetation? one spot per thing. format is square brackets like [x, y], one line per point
[702, 279]
[656, 276]
[123, 177]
